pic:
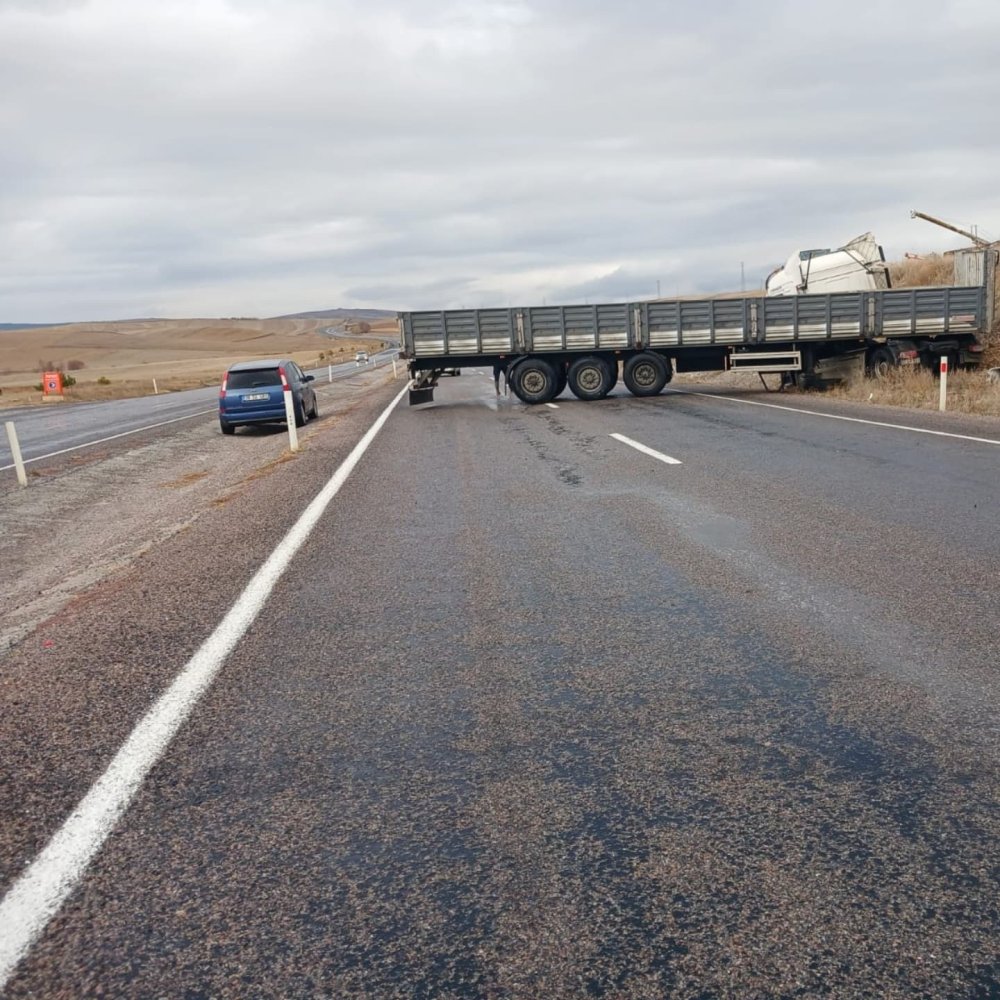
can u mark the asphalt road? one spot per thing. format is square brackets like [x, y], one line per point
[45, 429]
[535, 713]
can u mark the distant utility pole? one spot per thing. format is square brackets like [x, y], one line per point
[743, 278]
[657, 287]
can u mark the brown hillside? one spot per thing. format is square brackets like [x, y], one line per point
[127, 356]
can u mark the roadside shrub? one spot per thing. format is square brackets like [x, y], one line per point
[104, 380]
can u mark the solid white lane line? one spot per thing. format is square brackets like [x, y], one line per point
[837, 416]
[645, 450]
[552, 406]
[44, 886]
[90, 444]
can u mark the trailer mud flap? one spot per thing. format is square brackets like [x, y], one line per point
[424, 395]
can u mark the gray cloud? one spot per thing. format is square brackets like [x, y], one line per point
[220, 158]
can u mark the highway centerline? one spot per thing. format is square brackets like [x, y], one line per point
[836, 416]
[44, 886]
[646, 450]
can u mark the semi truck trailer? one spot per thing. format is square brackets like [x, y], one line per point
[810, 339]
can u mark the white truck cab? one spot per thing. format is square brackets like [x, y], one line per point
[856, 266]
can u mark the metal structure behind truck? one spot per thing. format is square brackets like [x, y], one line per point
[542, 349]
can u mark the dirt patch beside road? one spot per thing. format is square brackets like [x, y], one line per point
[88, 515]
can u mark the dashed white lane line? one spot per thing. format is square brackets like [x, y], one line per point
[44, 886]
[552, 406]
[836, 416]
[113, 437]
[646, 450]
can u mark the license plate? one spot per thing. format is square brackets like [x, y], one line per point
[250, 397]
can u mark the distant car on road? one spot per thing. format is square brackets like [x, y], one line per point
[361, 358]
[253, 393]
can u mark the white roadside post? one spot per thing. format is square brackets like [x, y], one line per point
[394, 375]
[293, 431]
[329, 373]
[944, 382]
[156, 391]
[15, 450]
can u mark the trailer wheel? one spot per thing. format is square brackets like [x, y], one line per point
[613, 368]
[646, 374]
[589, 377]
[881, 362]
[534, 380]
[560, 379]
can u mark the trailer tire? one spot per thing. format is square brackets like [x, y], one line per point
[589, 377]
[613, 366]
[560, 379]
[646, 374]
[881, 362]
[534, 381]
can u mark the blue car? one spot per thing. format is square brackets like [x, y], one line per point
[253, 392]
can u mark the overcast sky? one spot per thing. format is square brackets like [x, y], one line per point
[259, 157]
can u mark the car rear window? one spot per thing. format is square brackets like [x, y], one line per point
[253, 379]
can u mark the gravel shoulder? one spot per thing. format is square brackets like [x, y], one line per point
[91, 514]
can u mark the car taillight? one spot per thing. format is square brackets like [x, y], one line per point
[222, 391]
[284, 381]
[909, 354]
[974, 347]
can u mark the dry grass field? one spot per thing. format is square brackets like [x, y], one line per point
[119, 359]
[919, 389]
[934, 269]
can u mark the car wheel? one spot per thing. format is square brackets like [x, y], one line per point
[300, 417]
[315, 409]
[226, 428]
